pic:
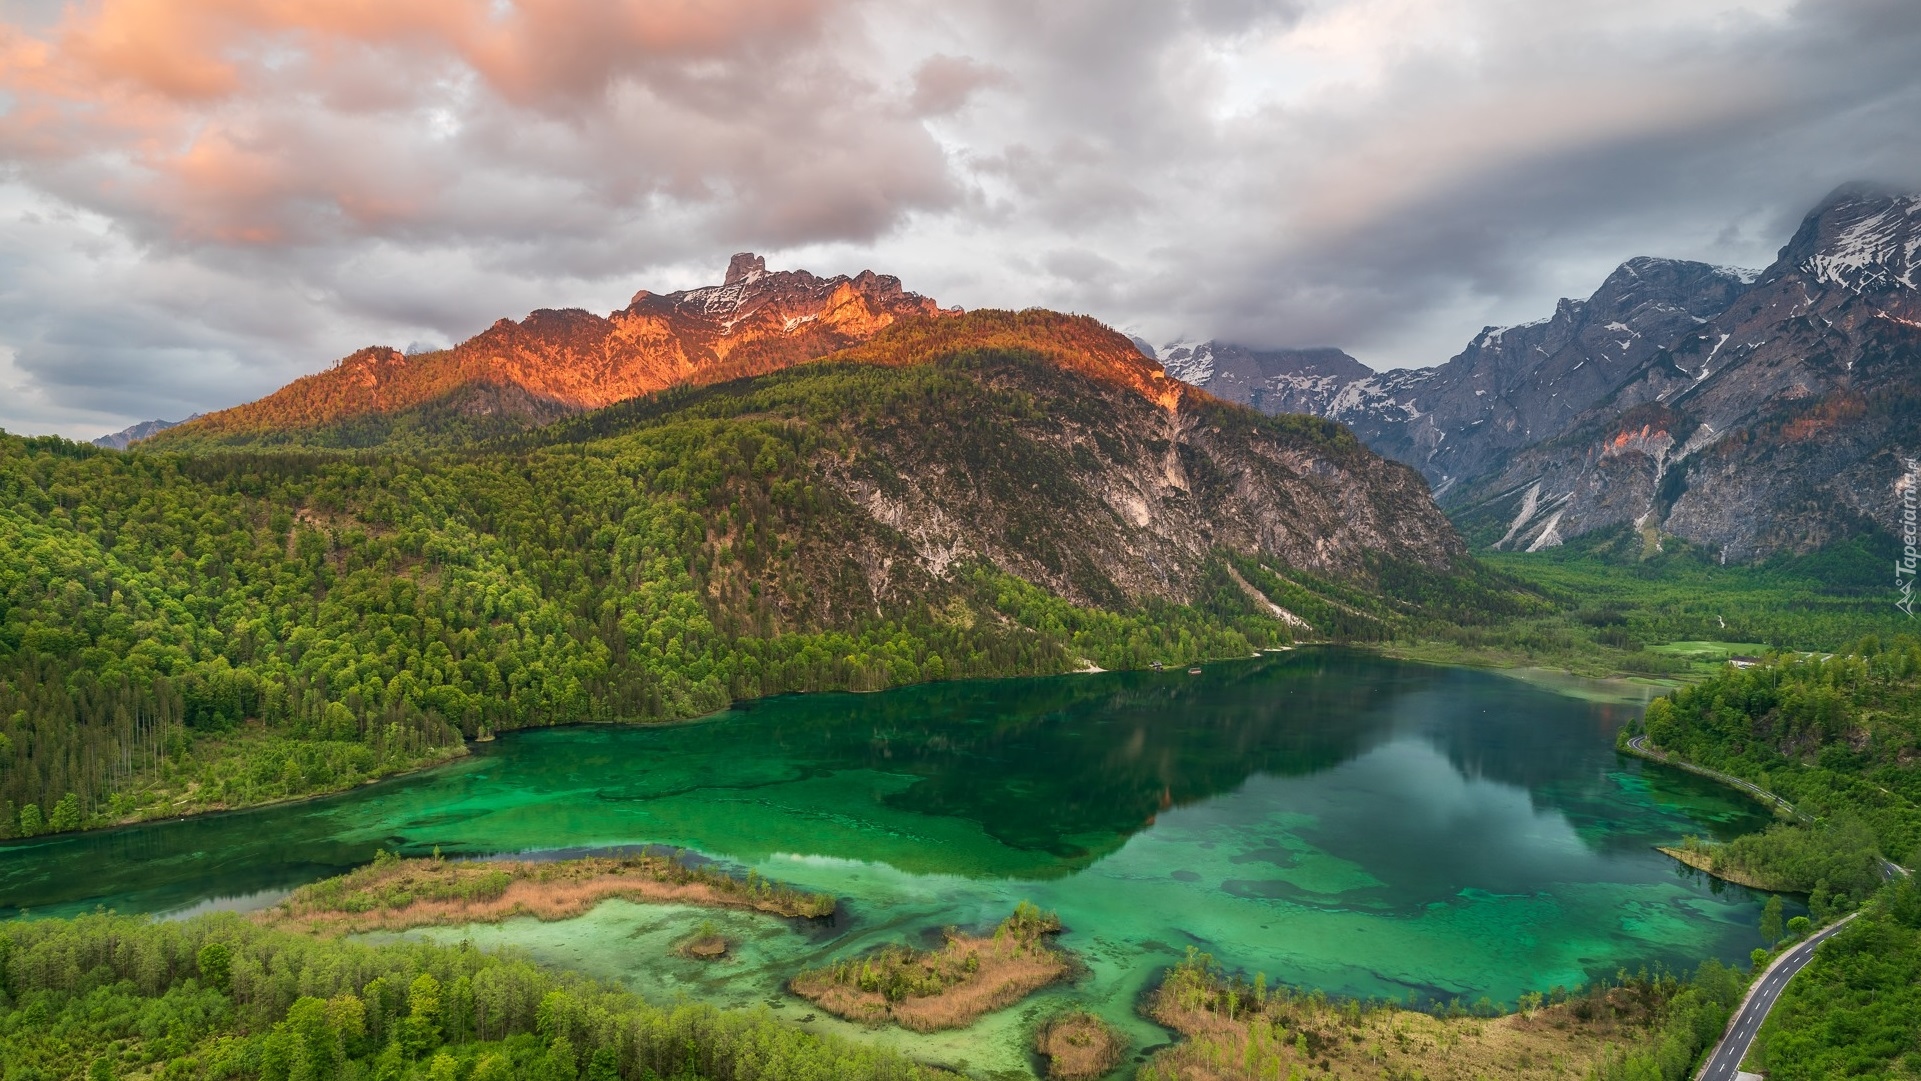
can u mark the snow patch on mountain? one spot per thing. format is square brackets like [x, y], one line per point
[1876, 251]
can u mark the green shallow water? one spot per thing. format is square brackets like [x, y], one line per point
[1336, 820]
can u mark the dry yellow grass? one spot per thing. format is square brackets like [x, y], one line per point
[394, 894]
[1078, 1047]
[952, 987]
[1230, 1034]
[1702, 860]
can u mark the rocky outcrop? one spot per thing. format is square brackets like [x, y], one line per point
[1086, 482]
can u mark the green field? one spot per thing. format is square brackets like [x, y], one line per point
[1675, 618]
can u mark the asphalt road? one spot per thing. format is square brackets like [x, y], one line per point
[1726, 1059]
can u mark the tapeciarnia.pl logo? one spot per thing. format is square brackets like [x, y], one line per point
[1904, 567]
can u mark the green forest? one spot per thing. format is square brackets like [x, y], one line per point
[1855, 1010]
[219, 997]
[1835, 735]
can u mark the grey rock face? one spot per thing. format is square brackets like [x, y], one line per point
[1778, 424]
[1510, 388]
[126, 437]
[1752, 413]
[1106, 498]
[1514, 387]
[1272, 381]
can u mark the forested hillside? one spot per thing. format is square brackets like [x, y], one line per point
[185, 632]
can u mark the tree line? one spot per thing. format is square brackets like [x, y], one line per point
[217, 997]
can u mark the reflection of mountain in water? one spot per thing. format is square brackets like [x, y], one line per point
[1095, 765]
[1518, 735]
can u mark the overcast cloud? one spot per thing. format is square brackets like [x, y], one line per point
[205, 198]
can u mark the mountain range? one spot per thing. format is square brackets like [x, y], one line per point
[1059, 452]
[1750, 413]
[1747, 412]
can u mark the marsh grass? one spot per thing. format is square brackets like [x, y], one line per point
[1079, 1046]
[950, 987]
[1233, 1030]
[392, 894]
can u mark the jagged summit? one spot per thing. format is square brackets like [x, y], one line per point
[1271, 380]
[1752, 412]
[744, 266]
[1510, 388]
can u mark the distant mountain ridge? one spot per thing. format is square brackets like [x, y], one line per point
[516, 375]
[1749, 412]
[1510, 388]
[1273, 381]
[127, 436]
[1777, 424]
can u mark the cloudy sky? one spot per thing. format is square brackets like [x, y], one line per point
[202, 199]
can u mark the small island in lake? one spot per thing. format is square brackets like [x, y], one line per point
[951, 987]
[706, 944]
[1079, 1046]
[394, 894]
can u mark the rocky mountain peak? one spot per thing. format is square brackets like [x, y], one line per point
[126, 437]
[1766, 426]
[1862, 238]
[744, 266]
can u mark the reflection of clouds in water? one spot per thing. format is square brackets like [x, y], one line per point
[1398, 825]
[1427, 824]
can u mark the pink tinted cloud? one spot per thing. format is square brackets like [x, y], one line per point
[250, 122]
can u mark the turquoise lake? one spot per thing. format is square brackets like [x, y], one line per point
[1333, 819]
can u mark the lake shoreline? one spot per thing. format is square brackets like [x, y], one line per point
[463, 752]
[1149, 811]
[1704, 863]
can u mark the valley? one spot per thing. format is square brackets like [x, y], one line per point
[715, 652]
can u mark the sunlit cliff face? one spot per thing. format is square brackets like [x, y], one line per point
[206, 198]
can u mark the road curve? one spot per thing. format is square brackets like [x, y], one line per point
[1725, 1060]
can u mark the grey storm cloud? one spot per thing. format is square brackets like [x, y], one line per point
[205, 198]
